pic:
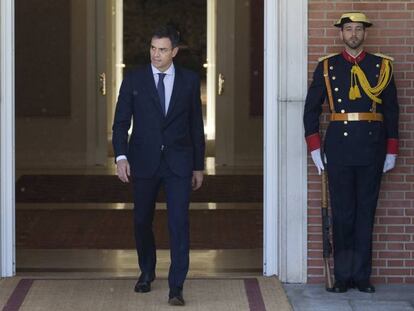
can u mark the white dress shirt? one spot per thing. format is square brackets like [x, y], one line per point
[168, 85]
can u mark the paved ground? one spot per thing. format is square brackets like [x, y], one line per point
[316, 298]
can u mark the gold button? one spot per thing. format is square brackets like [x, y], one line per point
[377, 65]
[331, 67]
[345, 134]
[333, 78]
[336, 89]
[342, 111]
[339, 100]
[376, 76]
[345, 122]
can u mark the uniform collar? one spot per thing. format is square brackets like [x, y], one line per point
[352, 59]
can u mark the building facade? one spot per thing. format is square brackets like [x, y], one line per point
[297, 32]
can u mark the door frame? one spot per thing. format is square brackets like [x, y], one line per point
[285, 154]
[7, 164]
[285, 194]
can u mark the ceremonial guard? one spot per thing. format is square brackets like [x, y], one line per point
[361, 143]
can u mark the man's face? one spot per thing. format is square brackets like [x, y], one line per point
[353, 35]
[162, 53]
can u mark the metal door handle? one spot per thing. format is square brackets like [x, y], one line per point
[221, 81]
[102, 80]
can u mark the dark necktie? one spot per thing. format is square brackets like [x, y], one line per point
[161, 91]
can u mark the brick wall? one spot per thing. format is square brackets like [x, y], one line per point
[392, 34]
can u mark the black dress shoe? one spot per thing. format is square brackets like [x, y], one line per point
[365, 287]
[175, 297]
[144, 283]
[339, 287]
[142, 287]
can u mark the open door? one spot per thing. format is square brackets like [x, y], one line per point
[65, 63]
[102, 88]
[239, 102]
[225, 88]
[64, 72]
[49, 115]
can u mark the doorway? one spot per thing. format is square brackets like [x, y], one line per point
[206, 28]
[64, 203]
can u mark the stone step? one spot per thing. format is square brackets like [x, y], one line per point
[113, 229]
[108, 189]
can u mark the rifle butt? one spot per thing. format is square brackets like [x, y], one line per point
[328, 277]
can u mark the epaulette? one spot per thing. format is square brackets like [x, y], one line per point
[320, 59]
[384, 56]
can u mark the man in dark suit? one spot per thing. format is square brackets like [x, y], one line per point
[361, 143]
[166, 147]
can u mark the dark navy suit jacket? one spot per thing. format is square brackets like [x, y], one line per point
[179, 135]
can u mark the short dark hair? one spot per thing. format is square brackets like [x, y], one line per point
[167, 31]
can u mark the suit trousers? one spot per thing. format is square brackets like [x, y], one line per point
[177, 190]
[354, 194]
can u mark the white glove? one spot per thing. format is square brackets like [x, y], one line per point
[389, 162]
[317, 159]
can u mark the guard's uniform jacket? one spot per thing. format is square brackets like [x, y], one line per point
[363, 127]
[352, 142]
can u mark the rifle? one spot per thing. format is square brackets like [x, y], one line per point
[327, 247]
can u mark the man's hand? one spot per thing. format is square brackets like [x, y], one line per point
[317, 160]
[197, 179]
[123, 170]
[389, 162]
